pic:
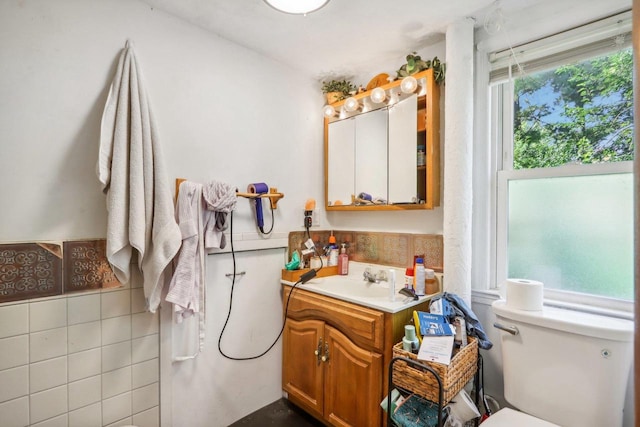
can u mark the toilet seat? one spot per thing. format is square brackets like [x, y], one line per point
[507, 417]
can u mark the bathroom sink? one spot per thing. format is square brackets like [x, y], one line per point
[353, 288]
[357, 287]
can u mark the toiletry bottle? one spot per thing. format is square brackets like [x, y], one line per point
[430, 282]
[343, 261]
[415, 266]
[419, 277]
[410, 340]
[333, 257]
[408, 278]
[332, 251]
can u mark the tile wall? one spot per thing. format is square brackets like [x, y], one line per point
[80, 360]
[393, 249]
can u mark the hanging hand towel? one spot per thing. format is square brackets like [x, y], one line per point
[220, 199]
[131, 170]
[186, 290]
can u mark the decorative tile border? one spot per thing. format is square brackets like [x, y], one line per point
[35, 270]
[394, 249]
[86, 266]
[29, 270]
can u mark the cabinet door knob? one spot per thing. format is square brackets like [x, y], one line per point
[325, 357]
[318, 350]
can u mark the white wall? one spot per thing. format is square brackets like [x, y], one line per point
[223, 113]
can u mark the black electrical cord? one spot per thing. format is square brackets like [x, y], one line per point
[272, 221]
[305, 277]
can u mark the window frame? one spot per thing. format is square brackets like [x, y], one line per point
[498, 129]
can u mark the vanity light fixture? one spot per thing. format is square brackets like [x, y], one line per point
[297, 7]
[378, 95]
[329, 111]
[409, 84]
[351, 104]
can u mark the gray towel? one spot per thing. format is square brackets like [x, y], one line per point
[220, 199]
[131, 170]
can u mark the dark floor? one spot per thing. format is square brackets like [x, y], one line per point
[280, 413]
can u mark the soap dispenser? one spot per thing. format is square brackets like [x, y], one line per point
[343, 261]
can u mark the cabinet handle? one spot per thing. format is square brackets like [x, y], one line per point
[325, 357]
[318, 350]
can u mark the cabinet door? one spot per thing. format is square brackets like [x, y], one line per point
[353, 383]
[302, 370]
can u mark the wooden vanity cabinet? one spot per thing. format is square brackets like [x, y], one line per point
[335, 357]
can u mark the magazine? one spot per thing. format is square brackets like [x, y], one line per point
[434, 325]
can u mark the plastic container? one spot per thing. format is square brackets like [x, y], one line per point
[333, 257]
[419, 277]
[421, 155]
[430, 282]
[408, 278]
[410, 340]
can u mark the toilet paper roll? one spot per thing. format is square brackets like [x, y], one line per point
[524, 294]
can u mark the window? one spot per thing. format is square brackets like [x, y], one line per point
[563, 127]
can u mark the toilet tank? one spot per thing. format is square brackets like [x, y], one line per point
[567, 367]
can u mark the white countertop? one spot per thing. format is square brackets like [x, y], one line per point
[355, 289]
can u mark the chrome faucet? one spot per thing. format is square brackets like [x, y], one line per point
[375, 277]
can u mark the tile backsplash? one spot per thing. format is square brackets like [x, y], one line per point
[80, 360]
[393, 249]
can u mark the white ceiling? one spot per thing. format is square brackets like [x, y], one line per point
[348, 38]
[345, 37]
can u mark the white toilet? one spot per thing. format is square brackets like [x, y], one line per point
[562, 367]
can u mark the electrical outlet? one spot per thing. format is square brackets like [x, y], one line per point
[313, 221]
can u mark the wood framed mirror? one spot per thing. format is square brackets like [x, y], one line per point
[372, 152]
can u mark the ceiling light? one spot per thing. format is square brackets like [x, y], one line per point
[297, 7]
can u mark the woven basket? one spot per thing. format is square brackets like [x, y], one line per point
[461, 369]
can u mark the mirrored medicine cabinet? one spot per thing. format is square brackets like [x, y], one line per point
[382, 152]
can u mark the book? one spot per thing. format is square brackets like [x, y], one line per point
[434, 324]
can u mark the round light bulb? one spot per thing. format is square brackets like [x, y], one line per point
[329, 111]
[351, 104]
[409, 84]
[378, 95]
